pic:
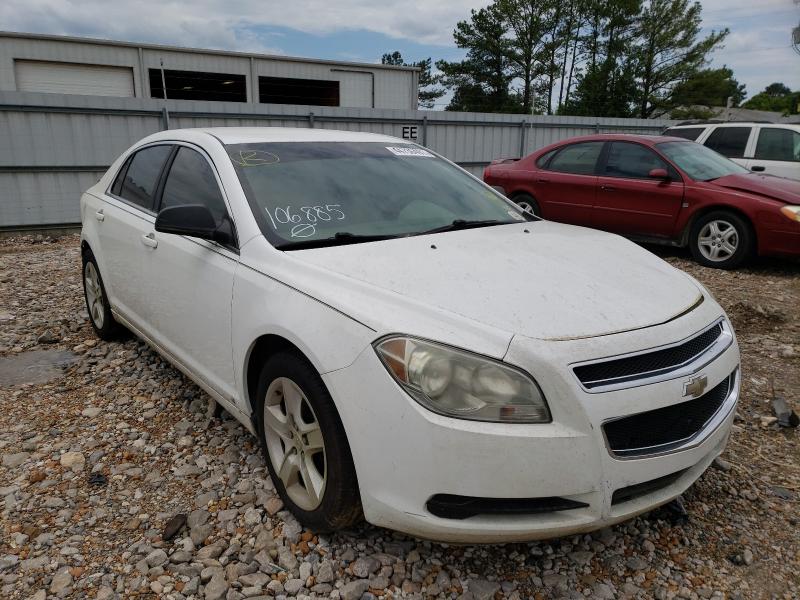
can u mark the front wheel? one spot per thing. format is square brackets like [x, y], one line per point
[721, 239]
[305, 446]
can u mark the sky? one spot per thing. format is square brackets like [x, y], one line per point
[758, 48]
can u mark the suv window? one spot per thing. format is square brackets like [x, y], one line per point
[775, 143]
[191, 181]
[626, 159]
[580, 158]
[141, 175]
[729, 141]
[687, 133]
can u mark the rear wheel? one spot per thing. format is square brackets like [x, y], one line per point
[305, 445]
[721, 239]
[527, 203]
[97, 305]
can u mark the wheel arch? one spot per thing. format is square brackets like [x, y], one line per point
[701, 212]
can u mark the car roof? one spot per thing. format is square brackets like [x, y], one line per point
[250, 135]
[734, 124]
[648, 140]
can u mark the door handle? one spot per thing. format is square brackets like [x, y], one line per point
[542, 180]
[99, 215]
[758, 168]
[608, 188]
[150, 240]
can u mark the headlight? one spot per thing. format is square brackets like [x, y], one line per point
[460, 384]
[791, 212]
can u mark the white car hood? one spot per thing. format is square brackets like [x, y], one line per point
[555, 282]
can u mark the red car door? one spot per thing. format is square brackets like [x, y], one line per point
[631, 199]
[565, 185]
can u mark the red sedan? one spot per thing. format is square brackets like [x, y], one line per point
[658, 189]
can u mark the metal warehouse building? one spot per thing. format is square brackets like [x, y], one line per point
[66, 65]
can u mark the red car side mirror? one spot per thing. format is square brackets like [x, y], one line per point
[658, 174]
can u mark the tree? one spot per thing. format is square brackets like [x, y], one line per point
[693, 97]
[776, 97]
[428, 90]
[668, 51]
[481, 81]
[607, 86]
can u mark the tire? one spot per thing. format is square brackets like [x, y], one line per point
[318, 486]
[97, 305]
[721, 240]
[528, 203]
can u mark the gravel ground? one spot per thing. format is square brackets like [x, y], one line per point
[116, 483]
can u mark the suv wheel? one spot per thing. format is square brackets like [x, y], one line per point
[721, 239]
[305, 445]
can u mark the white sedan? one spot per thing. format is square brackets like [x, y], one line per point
[408, 346]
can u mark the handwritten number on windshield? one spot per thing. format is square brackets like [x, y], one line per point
[303, 220]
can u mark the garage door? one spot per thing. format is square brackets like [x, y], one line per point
[69, 78]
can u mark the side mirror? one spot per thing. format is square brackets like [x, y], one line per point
[193, 220]
[658, 174]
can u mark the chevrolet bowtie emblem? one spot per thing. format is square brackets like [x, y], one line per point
[695, 386]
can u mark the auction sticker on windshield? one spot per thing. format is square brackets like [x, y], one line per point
[401, 151]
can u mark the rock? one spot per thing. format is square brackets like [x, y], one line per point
[354, 590]
[258, 580]
[603, 591]
[483, 589]
[721, 465]
[15, 460]
[286, 558]
[199, 534]
[73, 460]
[38, 595]
[156, 558]
[197, 517]
[91, 411]
[292, 586]
[636, 563]
[217, 587]
[173, 526]
[8, 561]
[581, 558]
[212, 551]
[61, 582]
[48, 337]
[274, 505]
[252, 517]
[325, 573]
[747, 556]
[784, 413]
[365, 566]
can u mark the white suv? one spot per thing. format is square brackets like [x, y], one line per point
[405, 341]
[772, 148]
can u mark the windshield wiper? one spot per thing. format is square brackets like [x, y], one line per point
[340, 238]
[464, 224]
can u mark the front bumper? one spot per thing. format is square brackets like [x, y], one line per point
[405, 454]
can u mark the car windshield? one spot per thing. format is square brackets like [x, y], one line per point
[310, 194]
[698, 162]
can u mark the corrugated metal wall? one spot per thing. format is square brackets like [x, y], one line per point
[52, 147]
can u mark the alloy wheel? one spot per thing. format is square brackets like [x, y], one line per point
[94, 294]
[718, 240]
[294, 443]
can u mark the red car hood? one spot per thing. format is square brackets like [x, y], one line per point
[769, 186]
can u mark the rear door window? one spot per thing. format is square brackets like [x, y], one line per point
[775, 143]
[580, 159]
[687, 133]
[729, 141]
[140, 180]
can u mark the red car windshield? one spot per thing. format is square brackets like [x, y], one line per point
[698, 162]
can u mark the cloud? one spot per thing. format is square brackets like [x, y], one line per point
[209, 23]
